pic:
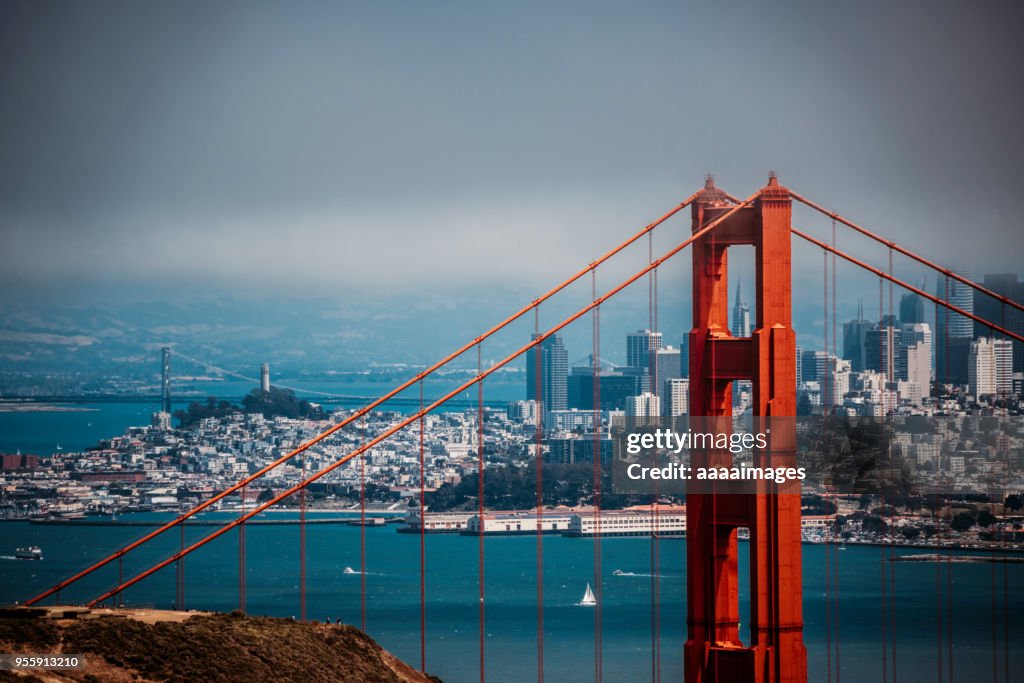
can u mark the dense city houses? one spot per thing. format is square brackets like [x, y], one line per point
[966, 383]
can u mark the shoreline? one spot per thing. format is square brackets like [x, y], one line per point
[24, 407]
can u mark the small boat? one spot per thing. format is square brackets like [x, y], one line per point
[349, 570]
[32, 553]
[618, 572]
[588, 597]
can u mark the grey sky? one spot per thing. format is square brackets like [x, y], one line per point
[336, 145]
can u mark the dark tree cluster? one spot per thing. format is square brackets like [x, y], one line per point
[273, 403]
[279, 402]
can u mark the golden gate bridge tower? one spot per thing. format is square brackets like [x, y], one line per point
[713, 650]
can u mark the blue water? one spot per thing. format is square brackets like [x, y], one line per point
[41, 433]
[392, 609]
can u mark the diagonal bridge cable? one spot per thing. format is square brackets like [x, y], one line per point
[426, 410]
[369, 407]
[909, 287]
[1006, 301]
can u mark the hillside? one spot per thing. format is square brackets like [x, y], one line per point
[149, 645]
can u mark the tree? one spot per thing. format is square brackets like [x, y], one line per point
[962, 521]
[279, 402]
[986, 518]
[265, 496]
[1014, 502]
[874, 524]
[200, 411]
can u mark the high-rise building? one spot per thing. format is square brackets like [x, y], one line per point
[912, 308]
[552, 373]
[668, 367]
[799, 365]
[522, 411]
[834, 380]
[740, 315]
[1008, 285]
[854, 333]
[684, 357]
[990, 367]
[677, 397]
[639, 346]
[811, 363]
[916, 339]
[953, 331]
[644, 405]
[265, 378]
[884, 351]
[614, 388]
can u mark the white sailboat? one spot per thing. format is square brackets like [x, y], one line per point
[588, 597]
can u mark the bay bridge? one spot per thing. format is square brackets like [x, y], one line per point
[713, 649]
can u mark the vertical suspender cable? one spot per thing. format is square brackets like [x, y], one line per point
[835, 553]
[995, 633]
[657, 381]
[885, 403]
[538, 459]
[892, 509]
[241, 558]
[423, 545]
[829, 369]
[362, 531]
[1002, 539]
[712, 603]
[596, 456]
[938, 619]
[480, 498]
[949, 607]
[302, 546]
[181, 567]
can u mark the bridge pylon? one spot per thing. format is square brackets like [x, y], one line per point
[714, 650]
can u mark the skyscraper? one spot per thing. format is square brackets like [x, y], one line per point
[1008, 285]
[912, 308]
[953, 331]
[740, 315]
[639, 346]
[990, 367]
[668, 367]
[552, 373]
[917, 342]
[677, 397]
[854, 333]
[884, 351]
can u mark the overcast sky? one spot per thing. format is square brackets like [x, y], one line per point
[432, 144]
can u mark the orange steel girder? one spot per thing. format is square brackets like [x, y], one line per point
[714, 651]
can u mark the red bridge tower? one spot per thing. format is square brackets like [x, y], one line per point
[713, 651]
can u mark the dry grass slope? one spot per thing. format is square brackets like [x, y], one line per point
[219, 647]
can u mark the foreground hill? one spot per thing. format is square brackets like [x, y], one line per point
[150, 645]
